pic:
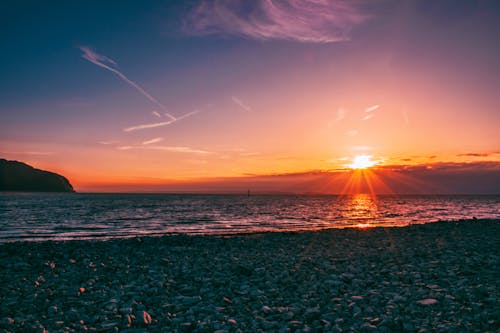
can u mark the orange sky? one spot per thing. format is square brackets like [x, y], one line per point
[407, 84]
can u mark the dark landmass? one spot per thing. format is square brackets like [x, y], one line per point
[20, 177]
[436, 277]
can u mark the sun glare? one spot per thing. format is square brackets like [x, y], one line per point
[362, 162]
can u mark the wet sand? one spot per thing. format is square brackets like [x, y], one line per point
[423, 278]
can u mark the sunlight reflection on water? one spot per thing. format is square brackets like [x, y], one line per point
[83, 216]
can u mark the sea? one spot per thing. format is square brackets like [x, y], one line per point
[68, 216]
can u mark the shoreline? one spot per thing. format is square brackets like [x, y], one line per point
[359, 226]
[422, 277]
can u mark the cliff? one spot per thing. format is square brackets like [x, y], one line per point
[18, 176]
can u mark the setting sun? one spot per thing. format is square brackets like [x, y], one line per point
[362, 162]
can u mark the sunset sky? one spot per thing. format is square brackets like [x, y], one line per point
[157, 95]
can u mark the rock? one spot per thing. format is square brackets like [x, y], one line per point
[187, 326]
[7, 322]
[399, 299]
[265, 308]
[188, 300]
[366, 327]
[427, 301]
[127, 320]
[109, 325]
[143, 318]
[52, 310]
[242, 270]
[125, 310]
[312, 313]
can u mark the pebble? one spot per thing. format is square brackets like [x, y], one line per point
[233, 284]
[189, 300]
[143, 318]
[399, 299]
[52, 310]
[427, 301]
[7, 321]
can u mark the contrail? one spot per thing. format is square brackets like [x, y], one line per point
[240, 103]
[155, 140]
[100, 60]
[163, 123]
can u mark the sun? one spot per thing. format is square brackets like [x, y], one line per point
[362, 162]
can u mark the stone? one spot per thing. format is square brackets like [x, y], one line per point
[143, 318]
[52, 310]
[427, 301]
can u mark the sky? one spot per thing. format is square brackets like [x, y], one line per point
[224, 95]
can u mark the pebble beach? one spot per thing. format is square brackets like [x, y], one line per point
[435, 277]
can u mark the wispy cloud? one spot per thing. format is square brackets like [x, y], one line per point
[368, 116]
[160, 124]
[156, 113]
[174, 149]
[369, 110]
[146, 126]
[36, 153]
[109, 64]
[240, 103]
[250, 153]
[475, 155]
[341, 114]
[316, 21]
[406, 120]
[352, 133]
[372, 108]
[155, 140]
[180, 149]
[362, 148]
[108, 142]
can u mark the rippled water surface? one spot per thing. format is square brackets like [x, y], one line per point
[41, 216]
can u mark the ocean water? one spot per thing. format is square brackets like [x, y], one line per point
[42, 216]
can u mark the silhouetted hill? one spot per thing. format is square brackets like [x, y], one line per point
[17, 176]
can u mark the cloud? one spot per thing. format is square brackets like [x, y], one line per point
[341, 114]
[156, 113]
[109, 142]
[240, 103]
[405, 118]
[180, 149]
[174, 149]
[369, 110]
[160, 124]
[362, 148]
[248, 154]
[352, 133]
[313, 21]
[372, 108]
[146, 126]
[36, 153]
[155, 140]
[368, 116]
[109, 64]
[475, 155]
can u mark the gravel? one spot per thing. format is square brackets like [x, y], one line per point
[437, 277]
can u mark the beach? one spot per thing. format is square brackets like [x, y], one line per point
[435, 277]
